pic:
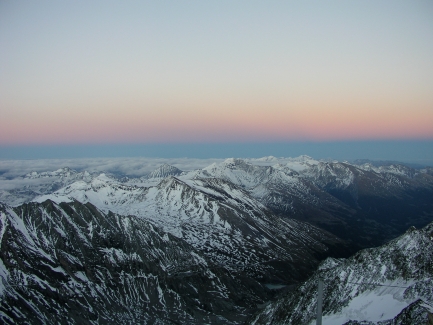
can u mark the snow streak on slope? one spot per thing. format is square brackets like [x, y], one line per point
[243, 216]
[373, 285]
[71, 263]
[274, 186]
[216, 217]
[165, 171]
[351, 202]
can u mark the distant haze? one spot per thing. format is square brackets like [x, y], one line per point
[417, 152]
[149, 72]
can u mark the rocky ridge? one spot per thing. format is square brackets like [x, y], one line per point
[72, 263]
[383, 285]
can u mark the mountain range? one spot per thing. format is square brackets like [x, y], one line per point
[88, 247]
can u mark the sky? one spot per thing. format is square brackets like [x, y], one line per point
[170, 74]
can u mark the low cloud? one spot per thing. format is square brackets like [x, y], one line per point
[133, 167]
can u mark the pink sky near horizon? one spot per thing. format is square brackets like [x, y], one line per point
[309, 124]
[85, 73]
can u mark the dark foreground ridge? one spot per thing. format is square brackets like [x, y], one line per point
[73, 264]
[398, 274]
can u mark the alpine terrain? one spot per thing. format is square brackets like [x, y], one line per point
[388, 285]
[212, 245]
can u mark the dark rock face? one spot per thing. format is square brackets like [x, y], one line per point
[381, 202]
[401, 269]
[365, 205]
[234, 230]
[70, 263]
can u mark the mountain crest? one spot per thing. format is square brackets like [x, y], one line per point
[165, 170]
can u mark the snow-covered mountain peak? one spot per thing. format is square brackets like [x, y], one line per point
[367, 167]
[104, 178]
[340, 175]
[211, 167]
[165, 170]
[304, 158]
[61, 172]
[233, 162]
[329, 263]
[237, 171]
[398, 170]
[301, 163]
[103, 191]
[394, 169]
[268, 159]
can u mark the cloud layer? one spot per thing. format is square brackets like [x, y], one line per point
[133, 167]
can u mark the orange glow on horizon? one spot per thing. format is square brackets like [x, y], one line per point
[229, 124]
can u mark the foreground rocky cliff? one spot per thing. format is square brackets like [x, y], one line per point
[391, 284]
[73, 264]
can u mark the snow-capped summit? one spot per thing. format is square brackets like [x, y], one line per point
[265, 161]
[62, 172]
[63, 175]
[340, 175]
[165, 170]
[103, 191]
[268, 159]
[301, 163]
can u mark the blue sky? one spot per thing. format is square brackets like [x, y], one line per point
[216, 78]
